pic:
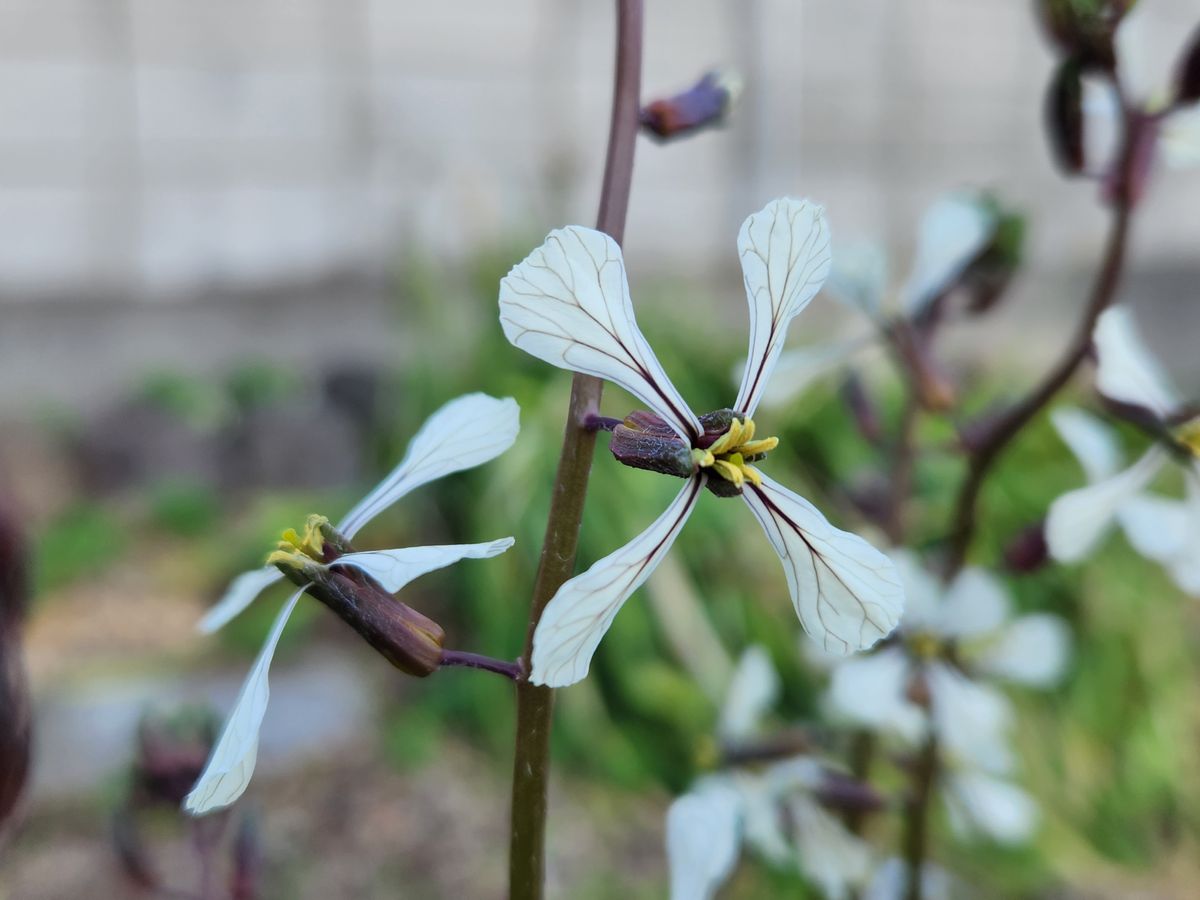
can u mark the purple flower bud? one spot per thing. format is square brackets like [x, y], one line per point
[704, 104]
[845, 794]
[1027, 551]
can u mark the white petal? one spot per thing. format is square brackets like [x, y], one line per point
[1147, 50]
[797, 369]
[231, 762]
[859, 276]
[465, 433]
[1093, 443]
[1179, 138]
[393, 569]
[1125, 370]
[753, 690]
[995, 808]
[891, 882]
[580, 613]
[846, 592]
[568, 304]
[702, 840]
[953, 232]
[240, 593]
[922, 590]
[975, 603]
[1157, 527]
[1033, 650]
[971, 719]
[870, 690]
[1078, 519]
[1185, 571]
[1102, 123]
[784, 248]
[762, 819]
[830, 856]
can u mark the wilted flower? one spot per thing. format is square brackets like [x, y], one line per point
[464, 433]
[1160, 528]
[953, 232]
[776, 809]
[568, 304]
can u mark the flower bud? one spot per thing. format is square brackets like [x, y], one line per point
[1028, 550]
[704, 104]
[844, 794]
[1064, 117]
[1086, 33]
[1187, 80]
[644, 441]
[988, 277]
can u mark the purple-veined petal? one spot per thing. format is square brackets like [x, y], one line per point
[753, 690]
[240, 594]
[1125, 369]
[465, 433]
[231, 762]
[1092, 442]
[580, 613]
[568, 304]
[393, 569]
[953, 232]
[784, 248]
[703, 836]
[846, 593]
[1033, 650]
[1078, 519]
[992, 807]
[975, 603]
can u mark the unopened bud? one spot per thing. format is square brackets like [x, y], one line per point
[1086, 33]
[844, 794]
[705, 104]
[1187, 79]
[1027, 551]
[1064, 117]
[988, 277]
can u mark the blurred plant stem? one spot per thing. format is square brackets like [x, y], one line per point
[535, 704]
[915, 839]
[988, 447]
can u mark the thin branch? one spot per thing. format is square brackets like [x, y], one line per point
[509, 670]
[535, 704]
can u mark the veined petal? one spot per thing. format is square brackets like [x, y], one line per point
[975, 603]
[393, 569]
[703, 834]
[465, 433]
[1033, 650]
[1125, 369]
[1092, 442]
[231, 762]
[1179, 138]
[240, 593]
[568, 304]
[830, 856]
[1078, 519]
[784, 248]
[847, 594]
[997, 809]
[953, 232]
[753, 690]
[870, 691]
[582, 610]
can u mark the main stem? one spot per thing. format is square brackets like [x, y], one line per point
[1001, 432]
[535, 704]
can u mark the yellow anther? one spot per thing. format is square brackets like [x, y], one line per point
[1188, 434]
[310, 544]
[728, 454]
[925, 645]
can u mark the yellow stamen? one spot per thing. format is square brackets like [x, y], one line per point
[1188, 434]
[925, 645]
[311, 544]
[764, 445]
[728, 454]
[729, 472]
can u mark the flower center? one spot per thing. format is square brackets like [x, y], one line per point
[295, 547]
[925, 645]
[1188, 436]
[730, 455]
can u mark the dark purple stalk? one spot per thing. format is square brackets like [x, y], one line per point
[509, 670]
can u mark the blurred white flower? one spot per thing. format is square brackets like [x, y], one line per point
[462, 434]
[1162, 529]
[952, 234]
[568, 304]
[773, 809]
[891, 882]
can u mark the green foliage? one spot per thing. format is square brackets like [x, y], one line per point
[183, 508]
[83, 541]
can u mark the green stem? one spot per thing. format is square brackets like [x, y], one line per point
[916, 817]
[535, 704]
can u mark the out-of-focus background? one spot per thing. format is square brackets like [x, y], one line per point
[246, 247]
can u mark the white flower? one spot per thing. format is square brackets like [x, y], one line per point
[891, 882]
[1161, 529]
[462, 434]
[568, 304]
[952, 234]
[773, 810]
